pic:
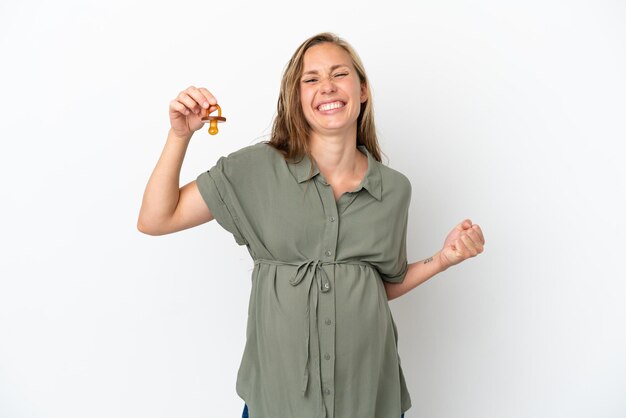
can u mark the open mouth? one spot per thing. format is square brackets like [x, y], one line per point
[331, 106]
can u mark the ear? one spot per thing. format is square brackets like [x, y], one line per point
[363, 92]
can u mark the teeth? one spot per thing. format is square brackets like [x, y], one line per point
[329, 106]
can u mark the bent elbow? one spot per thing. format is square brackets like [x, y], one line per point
[145, 228]
[142, 228]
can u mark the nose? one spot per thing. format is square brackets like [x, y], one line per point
[327, 85]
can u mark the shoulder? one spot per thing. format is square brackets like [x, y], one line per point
[256, 157]
[257, 150]
[394, 182]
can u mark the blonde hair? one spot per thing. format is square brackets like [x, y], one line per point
[290, 130]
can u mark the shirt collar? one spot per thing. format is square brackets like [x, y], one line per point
[372, 181]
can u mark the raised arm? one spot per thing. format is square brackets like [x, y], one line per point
[166, 207]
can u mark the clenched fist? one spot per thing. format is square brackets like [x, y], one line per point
[464, 241]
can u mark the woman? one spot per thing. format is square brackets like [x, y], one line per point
[325, 223]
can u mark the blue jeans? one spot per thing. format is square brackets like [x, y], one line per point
[245, 412]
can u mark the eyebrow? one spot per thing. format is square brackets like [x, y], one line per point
[334, 67]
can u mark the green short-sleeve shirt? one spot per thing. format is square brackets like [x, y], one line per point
[321, 339]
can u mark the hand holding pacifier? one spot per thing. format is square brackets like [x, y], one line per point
[190, 110]
[213, 120]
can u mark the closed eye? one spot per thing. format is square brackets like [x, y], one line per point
[310, 80]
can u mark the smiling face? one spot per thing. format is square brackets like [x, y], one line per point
[330, 90]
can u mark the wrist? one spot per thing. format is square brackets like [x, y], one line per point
[441, 262]
[178, 137]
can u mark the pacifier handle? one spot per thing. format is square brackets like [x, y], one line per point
[213, 120]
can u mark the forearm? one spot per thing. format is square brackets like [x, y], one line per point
[161, 195]
[417, 274]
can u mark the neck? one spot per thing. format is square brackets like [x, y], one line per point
[337, 156]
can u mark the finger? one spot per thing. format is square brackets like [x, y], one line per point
[179, 107]
[479, 231]
[198, 96]
[476, 239]
[208, 96]
[469, 244]
[188, 101]
[461, 248]
[466, 223]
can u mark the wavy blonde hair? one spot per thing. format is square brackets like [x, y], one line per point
[290, 130]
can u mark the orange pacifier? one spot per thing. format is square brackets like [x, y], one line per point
[213, 120]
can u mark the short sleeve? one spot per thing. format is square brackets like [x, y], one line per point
[394, 263]
[218, 187]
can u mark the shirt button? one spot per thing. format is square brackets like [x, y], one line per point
[327, 356]
[332, 219]
[326, 285]
[328, 252]
[327, 391]
[328, 321]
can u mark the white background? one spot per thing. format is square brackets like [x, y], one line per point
[509, 113]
